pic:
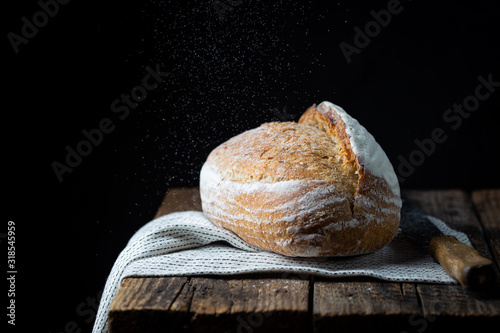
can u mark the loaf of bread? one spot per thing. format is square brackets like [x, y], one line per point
[319, 187]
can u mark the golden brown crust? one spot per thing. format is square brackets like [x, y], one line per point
[255, 185]
[282, 151]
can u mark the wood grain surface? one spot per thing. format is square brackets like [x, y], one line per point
[301, 303]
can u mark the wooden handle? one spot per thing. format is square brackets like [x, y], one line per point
[462, 262]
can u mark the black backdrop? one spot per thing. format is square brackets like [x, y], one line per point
[231, 66]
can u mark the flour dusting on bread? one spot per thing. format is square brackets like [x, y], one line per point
[365, 147]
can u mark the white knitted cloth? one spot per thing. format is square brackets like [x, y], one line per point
[187, 243]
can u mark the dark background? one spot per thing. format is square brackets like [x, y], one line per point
[229, 71]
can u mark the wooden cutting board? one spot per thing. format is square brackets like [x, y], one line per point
[301, 303]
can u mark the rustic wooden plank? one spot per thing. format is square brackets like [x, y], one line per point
[364, 298]
[138, 300]
[246, 304]
[249, 295]
[354, 306]
[452, 308]
[156, 293]
[487, 203]
[452, 301]
[180, 199]
[201, 304]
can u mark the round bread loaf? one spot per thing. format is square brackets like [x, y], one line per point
[319, 187]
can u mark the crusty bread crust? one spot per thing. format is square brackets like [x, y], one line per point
[303, 189]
